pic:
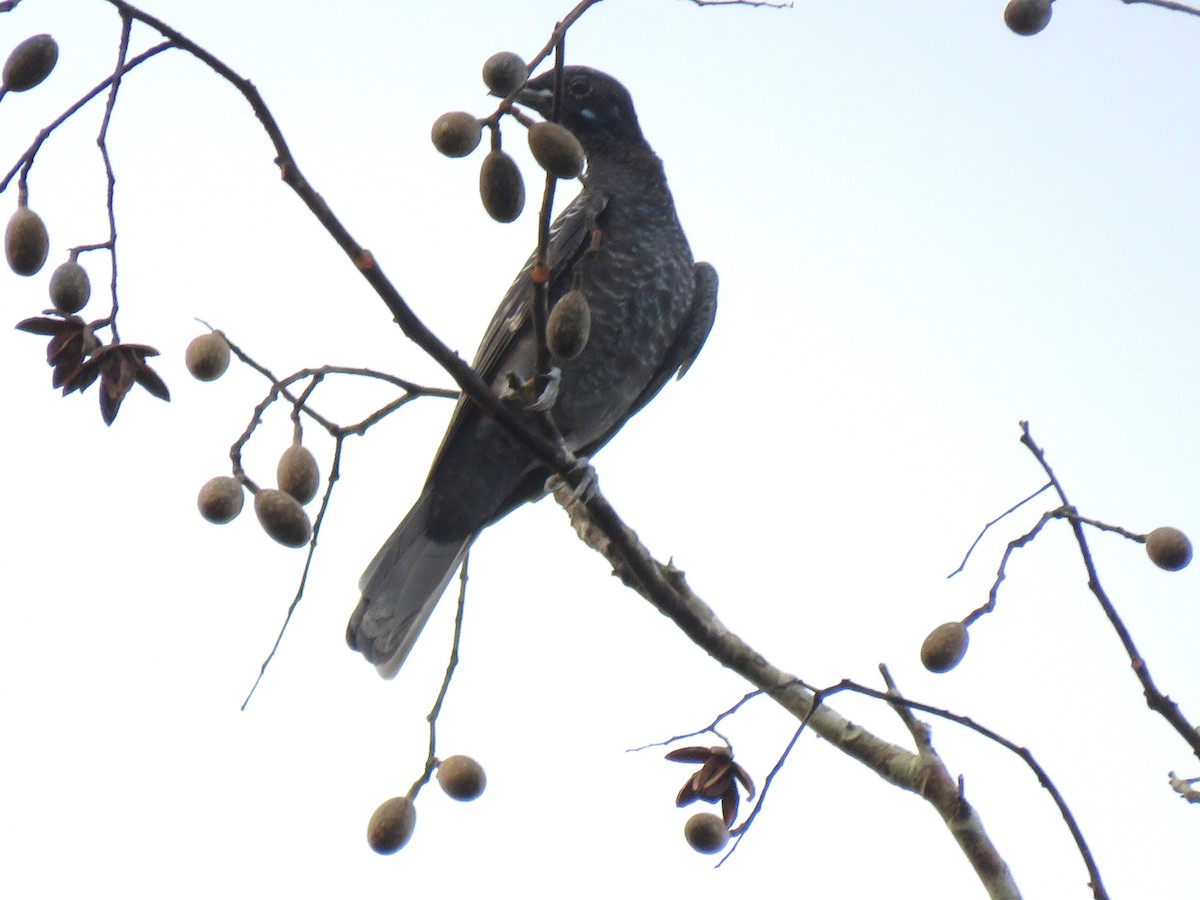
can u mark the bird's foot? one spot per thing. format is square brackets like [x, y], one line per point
[547, 390]
[538, 394]
[579, 487]
[572, 494]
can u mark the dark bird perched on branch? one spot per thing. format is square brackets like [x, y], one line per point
[619, 242]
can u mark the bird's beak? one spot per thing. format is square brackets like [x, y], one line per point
[540, 100]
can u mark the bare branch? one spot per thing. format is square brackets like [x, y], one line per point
[334, 474]
[1183, 787]
[26, 159]
[746, 3]
[334, 430]
[962, 565]
[665, 588]
[110, 175]
[1167, 4]
[1002, 570]
[711, 728]
[431, 760]
[1102, 526]
[1155, 699]
[1026, 756]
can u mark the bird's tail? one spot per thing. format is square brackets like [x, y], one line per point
[400, 588]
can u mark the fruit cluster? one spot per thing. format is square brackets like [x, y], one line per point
[392, 824]
[457, 134]
[501, 187]
[76, 355]
[26, 242]
[945, 647]
[280, 510]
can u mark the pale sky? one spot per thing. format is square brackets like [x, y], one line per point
[927, 229]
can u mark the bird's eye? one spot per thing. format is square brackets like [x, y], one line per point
[579, 89]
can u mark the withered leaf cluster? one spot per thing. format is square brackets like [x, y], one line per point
[716, 779]
[75, 355]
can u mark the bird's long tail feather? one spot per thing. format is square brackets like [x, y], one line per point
[400, 588]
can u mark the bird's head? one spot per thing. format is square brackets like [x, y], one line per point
[596, 108]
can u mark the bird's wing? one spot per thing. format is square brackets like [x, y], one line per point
[569, 237]
[692, 336]
[700, 321]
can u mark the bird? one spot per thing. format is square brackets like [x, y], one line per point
[652, 307]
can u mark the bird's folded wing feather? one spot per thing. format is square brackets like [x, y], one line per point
[683, 352]
[570, 235]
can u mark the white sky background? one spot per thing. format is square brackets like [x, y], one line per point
[926, 228]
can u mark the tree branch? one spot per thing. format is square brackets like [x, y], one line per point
[664, 586]
[1166, 4]
[1155, 699]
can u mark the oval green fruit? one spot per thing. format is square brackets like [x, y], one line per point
[26, 243]
[220, 499]
[456, 134]
[569, 325]
[461, 777]
[282, 517]
[207, 356]
[391, 825]
[501, 187]
[1169, 548]
[505, 73]
[556, 149]
[70, 288]
[1027, 17]
[297, 473]
[706, 833]
[945, 647]
[30, 62]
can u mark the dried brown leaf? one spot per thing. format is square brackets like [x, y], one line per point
[81, 379]
[687, 794]
[690, 754]
[150, 380]
[729, 806]
[744, 777]
[41, 325]
[713, 777]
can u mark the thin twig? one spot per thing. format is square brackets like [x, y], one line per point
[560, 29]
[431, 760]
[1095, 882]
[1002, 569]
[762, 3]
[280, 387]
[26, 159]
[1155, 699]
[962, 565]
[334, 474]
[711, 728]
[1102, 526]
[110, 175]
[1166, 4]
[743, 829]
[411, 389]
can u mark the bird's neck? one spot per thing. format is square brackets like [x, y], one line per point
[626, 166]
